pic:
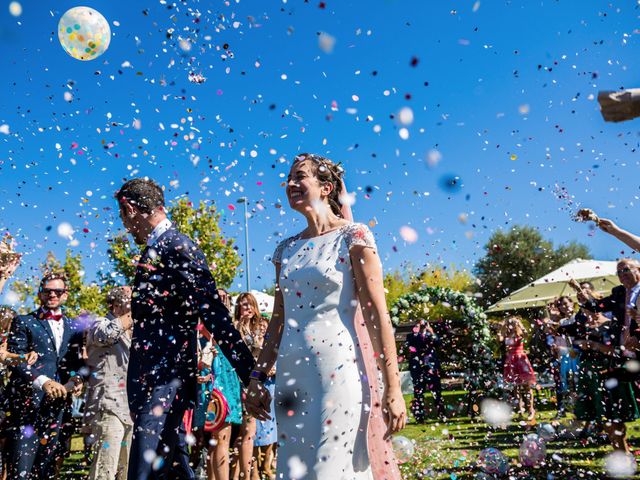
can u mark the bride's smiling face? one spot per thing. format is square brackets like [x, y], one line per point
[304, 190]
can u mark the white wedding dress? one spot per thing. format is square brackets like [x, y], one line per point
[322, 394]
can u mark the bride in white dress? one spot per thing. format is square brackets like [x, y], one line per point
[325, 402]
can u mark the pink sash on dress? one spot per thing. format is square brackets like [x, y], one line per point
[383, 462]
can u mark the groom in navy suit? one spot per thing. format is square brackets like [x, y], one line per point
[173, 290]
[40, 393]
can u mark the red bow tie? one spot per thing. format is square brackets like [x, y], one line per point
[51, 316]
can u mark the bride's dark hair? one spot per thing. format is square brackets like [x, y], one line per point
[327, 172]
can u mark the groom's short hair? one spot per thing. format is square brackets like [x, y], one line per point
[143, 193]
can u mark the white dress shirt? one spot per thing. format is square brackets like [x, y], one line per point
[162, 227]
[631, 306]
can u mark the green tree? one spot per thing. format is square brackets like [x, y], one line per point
[396, 284]
[517, 257]
[81, 295]
[202, 225]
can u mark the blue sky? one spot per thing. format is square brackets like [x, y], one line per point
[505, 92]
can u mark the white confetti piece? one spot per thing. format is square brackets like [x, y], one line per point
[326, 42]
[408, 234]
[15, 9]
[496, 413]
[65, 230]
[405, 116]
[620, 465]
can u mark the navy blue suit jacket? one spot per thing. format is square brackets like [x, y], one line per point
[423, 352]
[32, 332]
[616, 304]
[174, 289]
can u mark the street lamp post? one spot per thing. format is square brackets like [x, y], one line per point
[245, 201]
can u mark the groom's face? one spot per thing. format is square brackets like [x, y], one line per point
[131, 219]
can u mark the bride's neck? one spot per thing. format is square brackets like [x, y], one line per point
[318, 224]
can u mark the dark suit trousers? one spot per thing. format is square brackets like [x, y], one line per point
[158, 449]
[34, 443]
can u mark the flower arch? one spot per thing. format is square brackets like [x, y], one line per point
[478, 364]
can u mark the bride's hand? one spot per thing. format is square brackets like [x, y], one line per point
[258, 401]
[394, 411]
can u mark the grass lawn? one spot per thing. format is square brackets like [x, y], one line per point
[449, 450]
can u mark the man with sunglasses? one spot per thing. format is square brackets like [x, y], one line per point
[623, 301]
[623, 306]
[39, 393]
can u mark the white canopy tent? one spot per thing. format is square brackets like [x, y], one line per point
[602, 274]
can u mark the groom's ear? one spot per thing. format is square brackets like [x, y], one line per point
[126, 208]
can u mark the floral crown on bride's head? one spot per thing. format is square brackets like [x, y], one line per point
[324, 164]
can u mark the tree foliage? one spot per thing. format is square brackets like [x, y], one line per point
[517, 257]
[398, 283]
[201, 224]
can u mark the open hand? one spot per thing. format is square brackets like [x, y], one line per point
[9, 262]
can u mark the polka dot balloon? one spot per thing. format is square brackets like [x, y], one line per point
[84, 33]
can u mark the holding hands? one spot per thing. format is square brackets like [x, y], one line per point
[54, 390]
[394, 411]
[258, 400]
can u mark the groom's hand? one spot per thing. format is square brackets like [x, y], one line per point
[258, 401]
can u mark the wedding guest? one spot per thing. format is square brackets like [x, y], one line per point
[108, 341]
[517, 369]
[265, 444]
[248, 322]
[593, 400]
[568, 357]
[38, 392]
[215, 372]
[318, 334]
[424, 366]
[624, 341]
[6, 358]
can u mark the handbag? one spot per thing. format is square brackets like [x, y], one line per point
[217, 411]
[218, 407]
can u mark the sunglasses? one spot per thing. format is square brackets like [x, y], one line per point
[58, 291]
[624, 270]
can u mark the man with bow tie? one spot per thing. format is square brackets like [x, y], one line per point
[39, 392]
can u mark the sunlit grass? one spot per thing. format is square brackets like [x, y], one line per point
[449, 450]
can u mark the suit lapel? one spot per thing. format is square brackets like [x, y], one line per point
[45, 324]
[66, 337]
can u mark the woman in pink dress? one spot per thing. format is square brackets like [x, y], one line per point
[517, 368]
